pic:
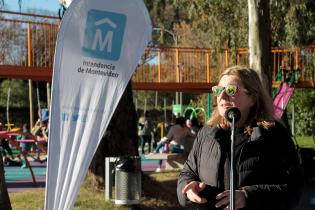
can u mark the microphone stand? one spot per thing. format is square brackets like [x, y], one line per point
[232, 166]
[232, 115]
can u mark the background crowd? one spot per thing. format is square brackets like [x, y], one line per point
[164, 137]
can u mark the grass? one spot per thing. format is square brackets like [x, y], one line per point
[33, 200]
[305, 141]
[158, 192]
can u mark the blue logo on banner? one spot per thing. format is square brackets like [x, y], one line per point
[103, 34]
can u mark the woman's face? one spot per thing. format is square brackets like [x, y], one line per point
[241, 99]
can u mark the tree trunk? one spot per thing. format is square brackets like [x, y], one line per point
[4, 196]
[259, 40]
[120, 139]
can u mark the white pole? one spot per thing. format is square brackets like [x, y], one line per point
[165, 115]
[136, 104]
[156, 99]
[8, 105]
[293, 121]
[145, 105]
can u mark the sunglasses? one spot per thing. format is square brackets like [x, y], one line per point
[230, 90]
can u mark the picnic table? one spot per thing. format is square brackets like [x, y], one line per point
[174, 161]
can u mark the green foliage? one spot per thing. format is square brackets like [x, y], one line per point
[303, 100]
[215, 24]
[292, 22]
[18, 93]
[300, 25]
[224, 23]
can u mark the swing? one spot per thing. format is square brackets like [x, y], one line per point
[283, 94]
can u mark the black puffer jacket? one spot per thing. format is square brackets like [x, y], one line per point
[267, 168]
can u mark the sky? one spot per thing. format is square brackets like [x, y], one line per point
[51, 5]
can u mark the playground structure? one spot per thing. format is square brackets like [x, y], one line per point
[27, 45]
[192, 111]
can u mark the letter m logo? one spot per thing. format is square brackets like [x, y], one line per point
[103, 35]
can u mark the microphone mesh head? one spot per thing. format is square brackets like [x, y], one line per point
[233, 113]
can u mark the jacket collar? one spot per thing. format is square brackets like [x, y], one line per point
[257, 134]
[217, 133]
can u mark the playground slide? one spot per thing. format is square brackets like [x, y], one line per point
[281, 99]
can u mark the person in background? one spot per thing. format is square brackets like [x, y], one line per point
[40, 131]
[25, 146]
[177, 137]
[158, 130]
[145, 131]
[5, 148]
[193, 125]
[268, 173]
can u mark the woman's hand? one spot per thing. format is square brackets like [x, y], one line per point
[224, 199]
[192, 189]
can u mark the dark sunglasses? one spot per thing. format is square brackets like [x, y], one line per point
[230, 90]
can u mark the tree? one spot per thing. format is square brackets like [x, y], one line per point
[212, 24]
[292, 23]
[120, 139]
[18, 94]
[259, 40]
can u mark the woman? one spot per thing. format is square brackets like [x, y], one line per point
[268, 175]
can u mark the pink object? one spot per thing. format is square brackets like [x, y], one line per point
[166, 148]
[3, 132]
[281, 99]
[25, 140]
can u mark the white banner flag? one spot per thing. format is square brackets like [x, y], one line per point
[98, 47]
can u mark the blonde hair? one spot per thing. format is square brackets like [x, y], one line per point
[262, 111]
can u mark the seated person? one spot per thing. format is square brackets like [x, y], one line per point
[40, 130]
[193, 124]
[177, 137]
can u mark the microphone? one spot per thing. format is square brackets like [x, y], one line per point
[233, 113]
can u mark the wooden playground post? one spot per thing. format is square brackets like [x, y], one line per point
[29, 62]
[238, 57]
[48, 95]
[208, 66]
[226, 57]
[274, 64]
[159, 65]
[296, 58]
[177, 72]
[165, 114]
